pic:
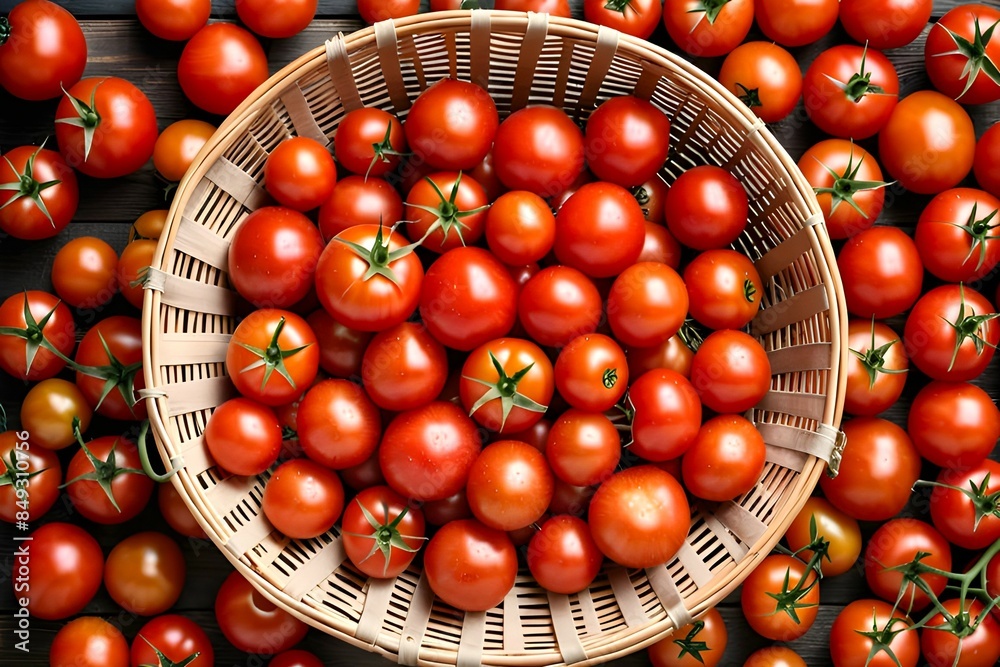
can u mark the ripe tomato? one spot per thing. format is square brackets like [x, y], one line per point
[672, 353]
[37, 334]
[647, 304]
[507, 384]
[896, 543]
[369, 141]
[591, 372]
[109, 368]
[582, 448]
[273, 257]
[660, 246]
[89, 641]
[876, 368]
[730, 371]
[557, 304]
[928, 144]
[780, 598]
[885, 24]
[695, 644]
[338, 425]
[381, 532]
[638, 18]
[177, 514]
[706, 29]
[39, 195]
[177, 638]
[426, 453]
[878, 467]
[133, 266]
[795, 22]
[357, 200]
[150, 224]
[881, 271]
[220, 66]
[300, 173]
[284, 18]
[252, 622]
[440, 221]
[765, 77]
[66, 569]
[404, 367]
[295, 658]
[84, 272]
[627, 140]
[105, 481]
[725, 460]
[273, 356]
[940, 643]
[48, 411]
[985, 165]
[666, 414]
[852, 643]
[562, 556]
[955, 236]
[175, 20]
[177, 146]
[953, 424]
[520, 228]
[30, 68]
[451, 125]
[551, 7]
[106, 127]
[967, 513]
[951, 333]
[653, 528]
[470, 565]
[774, 656]
[841, 532]
[341, 348]
[373, 11]
[651, 196]
[243, 436]
[368, 282]
[600, 230]
[848, 185]
[509, 486]
[29, 483]
[723, 287]
[540, 149]
[706, 207]
[303, 499]
[156, 584]
[961, 55]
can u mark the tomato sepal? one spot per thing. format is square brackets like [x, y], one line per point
[846, 185]
[115, 374]
[967, 327]
[164, 661]
[272, 358]
[505, 389]
[386, 535]
[985, 503]
[379, 257]
[27, 185]
[34, 335]
[447, 212]
[873, 359]
[86, 119]
[978, 61]
[104, 472]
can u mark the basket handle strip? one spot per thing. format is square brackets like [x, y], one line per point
[565, 629]
[721, 531]
[822, 443]
[377, 597]
[301, 115]
[249, 534]
[418, 613]
[694, 564]
[202, 243]
[193, 456]
[591, 621]
[192, 295]
[604, 55]
[786, 458]
[810, 406]
[786, 252]
[338, 64]
[238, 184]
[531, 49]
[796, 308]
[803, 357]
[197, 395]
[196, 348]
[479, 48]
[388, 57]
[316, 570]
[513, 638]
[470, 646]
[666, 592]
[741, 522]
[626, 596]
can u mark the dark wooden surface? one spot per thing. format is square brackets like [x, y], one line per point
[119, 45]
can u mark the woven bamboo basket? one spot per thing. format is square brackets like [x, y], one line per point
[189, 314]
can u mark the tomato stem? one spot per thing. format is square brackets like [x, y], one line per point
[104, 472]
[164, 661]
[144, 457]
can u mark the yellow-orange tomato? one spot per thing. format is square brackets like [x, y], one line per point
[132, 266]
[150, 224]
[837, 528]
[48, 410]
[177, 146]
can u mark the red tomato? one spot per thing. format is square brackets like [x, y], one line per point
[300, 173]
[176, 20]
[338, 425]
[881, 271]
[965, 508]
[896, 543]
[252, 622]
[177, 146]
[724, 288]
[894, 643]
[638, 18]
[539, 149]
[582, 448]
[660, 246]
[848, 185]
[591, 372]
[278, 19]
[42, 50]
[774, 656]
[706, 207]
[220, 66]
[569, 499]
[106, 127]
[89, 641]
[520, 228]
[979, 647]
[66, 566]
[303, 499]
[557, 304]
[404, 367]
[706, 29]
[647, 304]
[730, 371]
[370, 141]
[29, 483]
[551, 7]
[373, 11]
[177, 638]
[144, 573]
[627, 140]
[49, 409]
[985, 164]
[295, 658]
[876, 368]
[341, 348]
[273, 356]
[666, 415]
[885, 24]
[381, 532]
[105, 481]
[955, 236]
[440, 512]
[470, 566]
[177, 514]
[510, 485]
[84, 272]
[842, 533]
[357, 200]
[111, 352]
[243, 436]
[953, 424]
[451, 125]
[133, 265]
[795, 22]
[702, 643]
[562, 556]
[765, 77]
[651, 196]
[725, 460]
[150, 224]
[507, 384]
[37, 334]
[600, 230]
[961, 55]
[928, 144]
[780, 598]
[445, 210]
[672, 353]
[40, 193]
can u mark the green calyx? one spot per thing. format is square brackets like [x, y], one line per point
[749, 96]
[27, 186]
[846, 185]
[968, 327]
[4, 30]
[86, 118]
[873, 358]
[620, 6]
[378, 256]
[860, 83]
[977, 60]
[710, 8]
[505, 389]
[164, 661]
[384, 151]
[11, 473]
[980, 230]
[104, 472]
[448, 216]
[116, 375]
[385, 535]
[690, 645]
[272, 358]
[33, 335]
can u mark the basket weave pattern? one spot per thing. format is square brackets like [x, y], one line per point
[190, 313]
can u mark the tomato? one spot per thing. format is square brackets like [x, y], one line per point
[273, 356]
[451, 125]
[381, 532]
[468, 298]
[133, 266]
[848, 185]
[896, 543]
[540, 149]
[300, 173]
[40, 193]
[967, 509]
[509, 486]
[591, 372]
[177, 514]
[953, 424]
[672, 353]
[426, 453]
[724, 288]
[558, 304]
[659, 246]
[445, 210]
[89, 641]
[341, 348]
[774, 656]
[284, 18]
[175, 20]
[29, 483]
[469, 565]
[725, 460]
[876, 368]
[365, 474]
[655, 524]
[765, 77]
[647, 304]
[177, 146]
[666, 414]
[894, 643]
[66, 566]
[303, 499]
[145, 573]
[42, 49]
[885, 24]
[551, 7]
[562, 556]
[252, 622]
[706, 207]
[780, 598]
[705, 28]
[951, 333]
[730, 371]
[878, 467]
[850, 91]
[404, 367]
[881, 271]
[940, 643]
[520, 228]
[220, 66]
[48, 411]
[109, 368]
[373, 11]
[507, 384]
[150, 224]
[84, 272]
[368, 282]
[638, 18]
[700, 643]
[105, 481]
[582, 448]
[370, 141]
[37, 334]
[357, 200]
[795, 22]
[295, 658]
[338, 425]
[961, 55]
[985, 165]
[273, 257]
[928, 144]
[106, 127]
[626, 140]
[243, 436]
[177, 638]
[570, 499]
[600, 230]
[955, 236]
[841, 532]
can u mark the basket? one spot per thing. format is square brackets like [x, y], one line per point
[189, 314]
